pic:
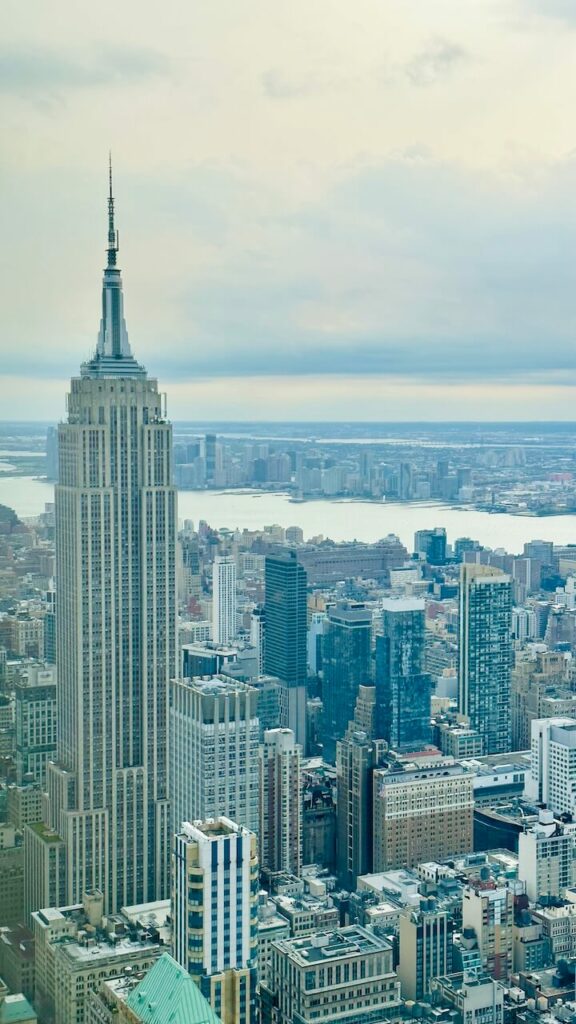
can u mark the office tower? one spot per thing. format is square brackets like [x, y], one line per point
[488, 908]
[346, 664]
[540, 550]
[224, 600]
[210, 457]
[36, 717]
[431, 544]
[258, 635]
[546, 858]
[347, 972]
[552, 777]
[286, 625]
[421, 813]
[540, 689]
[403, 687]
[214, 739]
[486, 654]
[405, 481]
[215, 914]
[425, 947]
[115, 516]
[280, 833]
[356, 757]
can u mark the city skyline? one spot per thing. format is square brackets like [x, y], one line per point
[363, 217]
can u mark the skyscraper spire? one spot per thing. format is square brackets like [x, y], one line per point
[113, 356]
[112, 233]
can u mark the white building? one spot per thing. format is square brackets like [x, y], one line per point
[116, 636]
[224, 600]
[546, 858]
[214, 735]
[215, 914]
[552, 777]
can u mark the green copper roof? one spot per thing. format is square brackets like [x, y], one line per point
[17, 1010]
[167, 995]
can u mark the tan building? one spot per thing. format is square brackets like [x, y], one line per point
[77, 949]
[421, 814]
[44, 868]
[540, 689]
[280, 834]
[488, 908]
[24, 804]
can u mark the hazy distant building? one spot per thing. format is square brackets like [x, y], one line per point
[286, 633]
[484, 679]
[431, 544]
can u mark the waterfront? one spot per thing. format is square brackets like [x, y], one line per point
[340, 520]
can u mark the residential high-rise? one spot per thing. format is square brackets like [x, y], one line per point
[286, 633]
[488, 908]
[546, 858]
[224, 600]
[403, 687]
[115, 515]
[484, 679]
[356, 757]
[214, 736]
[215, 914]
[425, 947]
[280, 833]
[346, 664]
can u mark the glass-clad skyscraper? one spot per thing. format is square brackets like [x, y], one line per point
[346, 665]
[285, 615]
[115, 513]
[484, 680]
[403, 688]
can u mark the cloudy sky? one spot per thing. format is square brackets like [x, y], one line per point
[328, 209]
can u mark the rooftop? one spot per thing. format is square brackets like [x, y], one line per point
[167, 995]
[335, 945]
[16, 1010]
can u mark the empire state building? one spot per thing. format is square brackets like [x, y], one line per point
[115, 511]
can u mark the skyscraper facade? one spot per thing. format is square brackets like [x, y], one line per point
[484, 680]
[346, 664]
[403, 688]
[280, 833]
[285, 614]
[215, 914]
[115, 513]
[223, 600]
[214, 742]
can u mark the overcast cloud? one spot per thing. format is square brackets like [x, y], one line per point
[325, 209]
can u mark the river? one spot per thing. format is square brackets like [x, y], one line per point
[340, 520]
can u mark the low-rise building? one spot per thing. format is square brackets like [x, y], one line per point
[344, 975]
[474, 997]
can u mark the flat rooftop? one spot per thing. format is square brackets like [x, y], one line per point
[335, 945]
